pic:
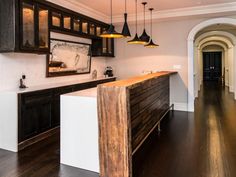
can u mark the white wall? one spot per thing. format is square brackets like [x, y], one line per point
[172, 36]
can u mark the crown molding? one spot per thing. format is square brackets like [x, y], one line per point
[216, 9]
[182, 12]
[82, 9]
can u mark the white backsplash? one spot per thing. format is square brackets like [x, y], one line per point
[13, 65]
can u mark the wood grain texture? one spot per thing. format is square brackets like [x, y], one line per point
[128, 110]
[139, 80]
[114, 132]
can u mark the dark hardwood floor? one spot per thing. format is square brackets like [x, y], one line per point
[39, 160]
[200, 144]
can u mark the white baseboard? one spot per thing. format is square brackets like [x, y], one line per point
[181, 107]
[231, 88]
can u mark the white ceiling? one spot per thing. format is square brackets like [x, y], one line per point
[103, 6]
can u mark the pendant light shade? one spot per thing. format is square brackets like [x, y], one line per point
[136, 39]
[125, 31]
[144, 38]
[151, 44]
[111, 33]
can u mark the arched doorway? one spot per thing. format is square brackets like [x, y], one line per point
[191, 48]
[224, 40]
[209, 46]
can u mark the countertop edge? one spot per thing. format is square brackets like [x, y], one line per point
[131, 82]
[55, 85]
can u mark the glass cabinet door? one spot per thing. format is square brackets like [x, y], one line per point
[85, 27]
[98, 31]
[104, 45]
[109, 46]
[43, 15]
[28, 24]
[92, 29]
[76, 24]
[56, 19]
[67, 22]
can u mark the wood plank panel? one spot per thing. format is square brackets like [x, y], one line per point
[147, 112]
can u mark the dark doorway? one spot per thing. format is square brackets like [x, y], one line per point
[212, 66]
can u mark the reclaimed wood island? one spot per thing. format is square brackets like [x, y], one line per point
[128, 111]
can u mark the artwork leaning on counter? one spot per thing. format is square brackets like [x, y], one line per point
[68, 58]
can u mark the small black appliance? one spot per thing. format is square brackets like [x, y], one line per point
[108, 71]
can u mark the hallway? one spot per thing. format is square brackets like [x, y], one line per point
[190, 145]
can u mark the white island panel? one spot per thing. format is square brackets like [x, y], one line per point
[79, 130]
[9, 121]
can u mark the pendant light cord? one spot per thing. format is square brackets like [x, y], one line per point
[144, 15]
[111, 12]
[136, 11]
[151, 9]
[125, 6]
[151, 22]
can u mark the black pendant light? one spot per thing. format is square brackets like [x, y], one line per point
[111, 33]
[125, 31]
[136, 39]
[151, 44]
[144, 37]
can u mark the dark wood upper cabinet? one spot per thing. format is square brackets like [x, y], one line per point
[103, 47]
[34, 27]
[25, 26]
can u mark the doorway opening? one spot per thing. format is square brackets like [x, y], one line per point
[212, 67]
[218, 32]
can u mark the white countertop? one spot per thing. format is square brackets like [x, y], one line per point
[54, 85]
[84, 93]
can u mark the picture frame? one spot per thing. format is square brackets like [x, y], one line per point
[68, 58]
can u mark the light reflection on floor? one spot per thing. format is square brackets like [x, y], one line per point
[215, 142]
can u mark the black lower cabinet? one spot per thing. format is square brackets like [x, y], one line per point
[39, 111]
[35, 113]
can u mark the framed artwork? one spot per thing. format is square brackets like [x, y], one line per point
[68, 58]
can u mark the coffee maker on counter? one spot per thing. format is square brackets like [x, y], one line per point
[108, 71]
